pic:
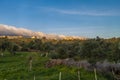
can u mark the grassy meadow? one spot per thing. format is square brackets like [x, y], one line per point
[17, 68]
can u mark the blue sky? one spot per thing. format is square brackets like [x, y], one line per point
[89, 18]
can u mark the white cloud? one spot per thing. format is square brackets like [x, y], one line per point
[5, 29]
[84, 12]
[11, 30]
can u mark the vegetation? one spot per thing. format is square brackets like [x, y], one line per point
[17, 68]
[97, 49]
[15, 54]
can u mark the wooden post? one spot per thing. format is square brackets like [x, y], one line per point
[30, 63]
[34, 77]
[60, 76]
[78, 75]
[95, 74]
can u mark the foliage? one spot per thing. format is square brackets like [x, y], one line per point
[97, 49]
[17, 68]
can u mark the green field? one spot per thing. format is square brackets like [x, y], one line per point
[17, 68]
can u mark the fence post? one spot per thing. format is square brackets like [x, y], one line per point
[30, 65]
[60, 76]
[95, 74]
[30, 59]
[34, 77]
[78, 75]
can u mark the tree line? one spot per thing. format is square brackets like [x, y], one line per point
[96, 49]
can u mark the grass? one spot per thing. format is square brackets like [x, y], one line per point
[17, 68]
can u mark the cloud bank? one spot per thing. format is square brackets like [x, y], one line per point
[13, 31]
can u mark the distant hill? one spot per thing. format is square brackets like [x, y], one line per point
[6, 30]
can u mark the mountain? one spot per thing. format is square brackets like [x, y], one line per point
[6, 30]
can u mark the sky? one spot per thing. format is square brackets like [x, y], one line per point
[87, 18]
